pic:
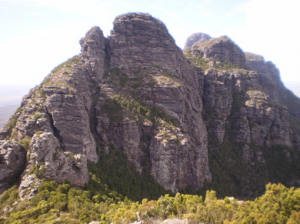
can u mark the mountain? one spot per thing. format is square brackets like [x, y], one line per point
[5, 113]
[294, 87]
[11, 96]
[146, 118]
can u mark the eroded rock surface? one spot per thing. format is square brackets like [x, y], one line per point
[55, 164]
[219, 51]
[155, 68]
[12, 162]
[136, 92]
[195, 39]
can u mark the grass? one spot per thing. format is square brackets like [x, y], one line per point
[224, 65]
[197, 60]
[60, 75]
[67, 65]
[163, 80]
[37, 116]
[117, 77]
[257, 98]
[25, 142]
[253, 57]
[213, 41]
[13, 121]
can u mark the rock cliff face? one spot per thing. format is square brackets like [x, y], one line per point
[218, 51]
[171, 113]
[248, 113]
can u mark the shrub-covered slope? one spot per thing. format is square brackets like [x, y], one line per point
[135, 115]
[60, 203]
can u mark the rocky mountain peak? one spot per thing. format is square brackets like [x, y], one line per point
[140, 29]
[136, 95]
[195, 39]
[270, 73]
[220, 50]
[93, 40]
[256, 62]
[93, 53]
[138, 40]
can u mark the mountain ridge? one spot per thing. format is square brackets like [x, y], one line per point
[177, 116]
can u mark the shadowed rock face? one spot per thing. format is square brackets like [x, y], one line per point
[141, 47]
[248, 110]
[271, 75]
[12, 162]
[70, 111]
[136, 91]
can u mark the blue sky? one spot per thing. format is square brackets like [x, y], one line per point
[37, 35]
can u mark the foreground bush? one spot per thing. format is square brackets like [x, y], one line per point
[59, 203]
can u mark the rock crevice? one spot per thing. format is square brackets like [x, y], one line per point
[166, 110]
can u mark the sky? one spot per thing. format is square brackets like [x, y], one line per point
[37, 35]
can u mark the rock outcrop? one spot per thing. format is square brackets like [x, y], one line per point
[158, 73]
[271, 77]
[219, 51]
[12, 162]
[133, 91]
[195, 39]
[167, 111]
[247, 110]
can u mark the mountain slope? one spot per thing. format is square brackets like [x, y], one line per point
[5, 113]
[211, 117]
[251, 127]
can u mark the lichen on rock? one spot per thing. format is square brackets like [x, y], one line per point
[167, 111]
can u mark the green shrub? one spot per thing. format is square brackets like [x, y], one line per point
[59, 203]
[25, 142]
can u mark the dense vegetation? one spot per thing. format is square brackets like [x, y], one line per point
[116, 191]
[234, 176]
[121, 176]
[60, 203]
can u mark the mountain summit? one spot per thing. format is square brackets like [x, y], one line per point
[209, 117]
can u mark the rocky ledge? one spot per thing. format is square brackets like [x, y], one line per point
[166, 110]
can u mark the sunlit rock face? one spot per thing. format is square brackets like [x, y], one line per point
[165, 109]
